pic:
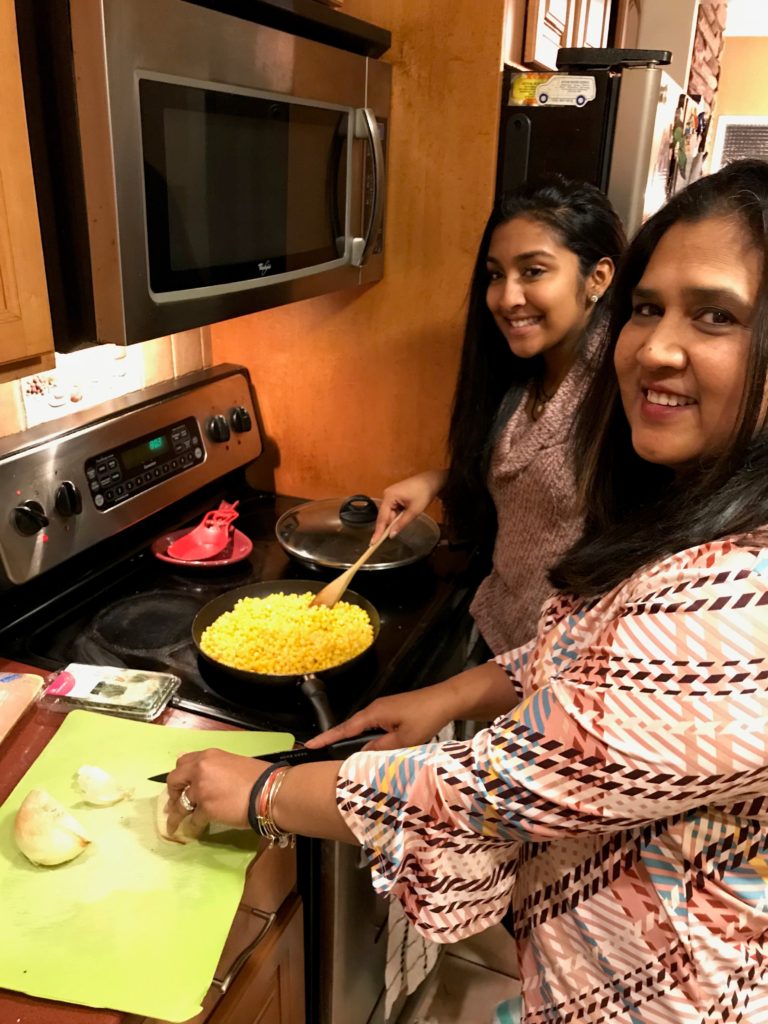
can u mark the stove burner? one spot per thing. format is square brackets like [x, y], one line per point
[153, 624]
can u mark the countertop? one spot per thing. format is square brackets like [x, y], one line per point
[17, 753]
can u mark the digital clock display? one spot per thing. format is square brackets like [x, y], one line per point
[144, 452]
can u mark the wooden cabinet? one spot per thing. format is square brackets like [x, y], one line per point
[26, 340]
[551, 24]
[547, 28]
[591, 23]
[269, 989]
[628, 23]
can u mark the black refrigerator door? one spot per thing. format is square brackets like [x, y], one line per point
[570, 140]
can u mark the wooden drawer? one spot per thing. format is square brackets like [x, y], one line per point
[271, 876]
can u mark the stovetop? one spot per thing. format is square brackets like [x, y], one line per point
[138, 610]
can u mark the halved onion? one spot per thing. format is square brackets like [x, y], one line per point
[45, 831]
[185, 833]
[99, 787]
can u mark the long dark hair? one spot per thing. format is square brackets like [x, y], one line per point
[491, 379]
[637, 512]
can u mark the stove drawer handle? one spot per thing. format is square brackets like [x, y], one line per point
[239, 961]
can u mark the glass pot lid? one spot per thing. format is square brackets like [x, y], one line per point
[335, 532]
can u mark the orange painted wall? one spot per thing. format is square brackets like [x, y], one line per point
[743, 84]
[355, 387]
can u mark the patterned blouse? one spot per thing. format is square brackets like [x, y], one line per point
[620, 809]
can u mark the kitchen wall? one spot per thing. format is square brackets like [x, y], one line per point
[97, 374]
[355, 387]
[743, 88]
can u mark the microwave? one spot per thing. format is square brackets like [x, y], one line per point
[193, 166]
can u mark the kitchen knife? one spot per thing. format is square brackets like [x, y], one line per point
[303, 755]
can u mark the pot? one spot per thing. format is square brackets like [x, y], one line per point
[310, 683]
[333, 533]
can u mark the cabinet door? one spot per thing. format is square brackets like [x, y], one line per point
[628, 23]
[269, 989]
[548, 27]
[591, 23]
[26, 340]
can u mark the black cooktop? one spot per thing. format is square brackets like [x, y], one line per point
[138, 611]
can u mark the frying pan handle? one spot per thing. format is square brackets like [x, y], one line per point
[314, 690]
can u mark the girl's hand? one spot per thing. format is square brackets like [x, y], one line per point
[411, 497]
[217, 783]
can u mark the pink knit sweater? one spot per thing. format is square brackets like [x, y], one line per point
[533, 488]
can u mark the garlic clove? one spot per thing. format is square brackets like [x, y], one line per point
[99, 787]
[45, 831]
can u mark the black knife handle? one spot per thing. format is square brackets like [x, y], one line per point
[333, 752]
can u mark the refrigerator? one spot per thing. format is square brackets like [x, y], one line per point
[606, 116]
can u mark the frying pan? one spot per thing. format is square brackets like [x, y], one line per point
[310, 683]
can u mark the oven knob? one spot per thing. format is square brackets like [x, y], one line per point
[29, 517]
[69, 501]
[240, 419]
[218, 429]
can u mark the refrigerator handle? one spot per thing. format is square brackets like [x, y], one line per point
[516, 152]
[366, 126]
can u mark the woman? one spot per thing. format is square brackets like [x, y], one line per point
[535, 319]
[619, 803]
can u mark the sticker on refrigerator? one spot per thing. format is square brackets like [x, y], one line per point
[536, 89]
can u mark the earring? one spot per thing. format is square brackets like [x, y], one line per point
[593, 298]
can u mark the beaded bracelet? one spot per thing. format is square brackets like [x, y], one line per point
[261, 802]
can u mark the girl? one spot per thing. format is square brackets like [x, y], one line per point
[535, 321]
[619, 803]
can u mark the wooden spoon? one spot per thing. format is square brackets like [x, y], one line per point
[332, 591]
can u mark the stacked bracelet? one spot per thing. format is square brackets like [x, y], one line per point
[261, 803]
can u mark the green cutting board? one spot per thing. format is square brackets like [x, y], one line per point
[135, 923]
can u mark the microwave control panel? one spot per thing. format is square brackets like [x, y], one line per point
[116, 475]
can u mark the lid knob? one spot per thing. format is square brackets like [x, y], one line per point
[358, 509]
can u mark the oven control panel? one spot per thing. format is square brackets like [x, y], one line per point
[85, 478]
[116, 475]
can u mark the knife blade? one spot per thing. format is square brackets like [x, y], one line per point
[303, 755]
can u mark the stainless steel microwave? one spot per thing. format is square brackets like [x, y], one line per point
[225, 166]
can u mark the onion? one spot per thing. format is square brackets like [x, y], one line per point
[45, 831]
[98, 787]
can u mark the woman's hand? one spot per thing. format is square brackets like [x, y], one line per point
[411, 497]
[408, 720]
[217, 783]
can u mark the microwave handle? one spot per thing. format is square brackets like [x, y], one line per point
[367, 127]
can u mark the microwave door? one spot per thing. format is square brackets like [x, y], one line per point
[236, 186]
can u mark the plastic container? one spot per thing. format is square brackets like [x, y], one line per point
[130, 693]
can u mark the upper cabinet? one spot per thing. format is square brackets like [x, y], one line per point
[547, 27]
[26, 339]
[591, 23]
[551, 24]
[628, 23]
